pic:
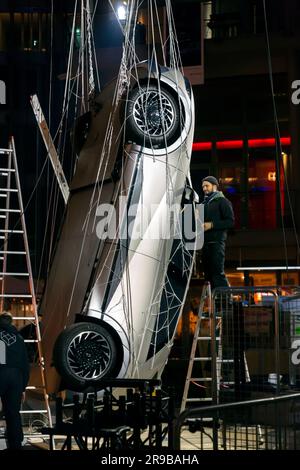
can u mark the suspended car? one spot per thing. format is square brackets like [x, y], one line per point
[122, 264]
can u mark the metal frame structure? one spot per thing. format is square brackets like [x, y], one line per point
[142, 418]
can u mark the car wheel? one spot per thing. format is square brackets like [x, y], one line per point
[84, 354]
[153, 117]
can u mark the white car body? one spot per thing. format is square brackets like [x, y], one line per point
[130, 292]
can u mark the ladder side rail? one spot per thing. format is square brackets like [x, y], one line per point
[190, 366]
[31, 284]
[206, 293]
[214, 352]
[23, 223]
[6, 226]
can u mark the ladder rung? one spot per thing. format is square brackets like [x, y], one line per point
[14, 274]
[201, 379]
[203, 419]
[3, 174]
[10, 210]
[13, 252]
[33, 387]
[202, 359]
[225, 360]
[199, 399]
[11, 231]
[24, 318]
[33, 411]
[5, 151]
[10, 170]
[207, 338]
[16, 295]
[35, 435]
[31, 341]
[3, 195]
[9, 190]
[2, 216]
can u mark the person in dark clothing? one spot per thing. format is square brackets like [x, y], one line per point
[218, 218]
[14, 376]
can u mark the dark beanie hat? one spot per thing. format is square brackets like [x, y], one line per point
[211, 179]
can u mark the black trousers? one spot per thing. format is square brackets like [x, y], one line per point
[11, 389]
[213, 259]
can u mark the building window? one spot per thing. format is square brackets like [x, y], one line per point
[188, 28]
[30, 31]
[200, 167]
[236, 279]
[290, 278]
[263, 279]
[207, 11]
[262, 189]
[275, 15]
[255, 200]
[230, 164]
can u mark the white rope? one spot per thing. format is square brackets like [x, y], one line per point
[94, 54]
[90, 55]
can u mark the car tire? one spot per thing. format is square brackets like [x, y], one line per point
[153, 117]
[84, 354]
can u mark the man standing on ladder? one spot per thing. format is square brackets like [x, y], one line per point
[14, 376]
[218, 218]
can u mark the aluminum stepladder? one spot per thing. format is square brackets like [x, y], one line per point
[14, 244]
[204, 355]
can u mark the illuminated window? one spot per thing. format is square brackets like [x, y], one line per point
[235, 279]
[263, 279]
[290, 278]
[230, 163]
[30, 31]
[262, 189]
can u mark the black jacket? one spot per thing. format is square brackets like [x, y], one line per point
[15, 351]
[218, 210]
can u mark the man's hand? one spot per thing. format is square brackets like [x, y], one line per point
[207, 226]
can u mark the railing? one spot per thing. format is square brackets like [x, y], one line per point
[263, 424]
[254, 355]
[258, 332]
